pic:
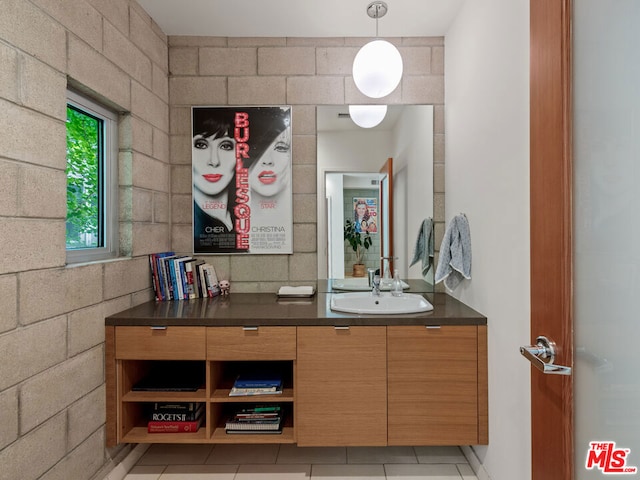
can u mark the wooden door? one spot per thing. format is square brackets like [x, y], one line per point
[551, 235]
[385, 201]
[433, 385]
[341, 386]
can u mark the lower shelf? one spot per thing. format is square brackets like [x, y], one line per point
[140, 435]
[220, 436]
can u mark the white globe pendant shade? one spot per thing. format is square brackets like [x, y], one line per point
[377, 69]
[367, 116]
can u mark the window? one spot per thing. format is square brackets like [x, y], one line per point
[92, 182]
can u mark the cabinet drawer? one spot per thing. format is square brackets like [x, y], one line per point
[251, 343]
[166, 343]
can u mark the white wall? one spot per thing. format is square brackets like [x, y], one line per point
[487, 177]
[413, 183]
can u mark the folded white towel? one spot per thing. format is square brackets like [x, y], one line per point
[454, 263]
[301, 290]
[424, 246]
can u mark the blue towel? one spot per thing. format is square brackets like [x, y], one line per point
[454, 263]
[424, 246]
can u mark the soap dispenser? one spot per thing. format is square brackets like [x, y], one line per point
[396, 286]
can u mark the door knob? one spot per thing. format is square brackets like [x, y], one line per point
[542, 355]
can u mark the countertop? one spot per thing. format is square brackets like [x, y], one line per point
[266, 309]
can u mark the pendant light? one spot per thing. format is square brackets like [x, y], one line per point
[377, 68]
[367, 116]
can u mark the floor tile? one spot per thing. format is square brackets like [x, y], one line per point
[243, 454]
[148, 472]
[175, 454]
[381, 455]
[347, 472]
[420, 472]
[292, 454]
[274, 472]
[466, 471]
[440, 455]
[199, 472]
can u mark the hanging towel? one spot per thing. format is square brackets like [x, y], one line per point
[424, 246]
[455, 253]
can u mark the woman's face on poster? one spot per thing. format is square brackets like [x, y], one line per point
[361, 210]
[270, 174]
[213, 163]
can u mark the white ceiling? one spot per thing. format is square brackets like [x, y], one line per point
[301, 18]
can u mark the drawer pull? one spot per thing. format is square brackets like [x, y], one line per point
[158, 327]
[341, 327]
[250, 329]
[433, 327]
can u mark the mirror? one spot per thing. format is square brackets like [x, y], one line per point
[349, 160]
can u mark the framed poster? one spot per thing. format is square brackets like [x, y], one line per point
[241, 180]
[365, 214]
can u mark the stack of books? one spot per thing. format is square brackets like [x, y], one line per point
[181, 277]
[256, 385]
[180, 417]
[258, 419]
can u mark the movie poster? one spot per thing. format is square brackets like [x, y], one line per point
[365, 214]
[241, 180]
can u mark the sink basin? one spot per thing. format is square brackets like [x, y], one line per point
[385, 304]
[357, 284]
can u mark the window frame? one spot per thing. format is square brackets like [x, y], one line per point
[109, 172]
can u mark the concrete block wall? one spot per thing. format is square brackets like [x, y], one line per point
[52, 395]
[303, 73]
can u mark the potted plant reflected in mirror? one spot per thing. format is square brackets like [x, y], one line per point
[360, 243]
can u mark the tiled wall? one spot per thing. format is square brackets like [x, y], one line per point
[302, 72]
[52, 397]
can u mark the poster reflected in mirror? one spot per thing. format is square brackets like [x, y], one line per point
[241, 180]
[365, 214]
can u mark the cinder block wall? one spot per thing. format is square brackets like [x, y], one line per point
[52, 316]
[52, 398]
[304, 73]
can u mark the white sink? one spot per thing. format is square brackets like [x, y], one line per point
[385, 304]
[358, 284]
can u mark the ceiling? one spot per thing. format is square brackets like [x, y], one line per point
[301, 18]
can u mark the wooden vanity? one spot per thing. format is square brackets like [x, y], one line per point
[349, 380]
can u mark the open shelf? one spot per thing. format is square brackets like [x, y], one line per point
[220, 436]
[198, 396]
[140, 435]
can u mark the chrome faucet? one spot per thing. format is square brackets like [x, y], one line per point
[376, 286]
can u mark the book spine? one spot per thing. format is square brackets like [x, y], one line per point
[188, 280]
[154, 276]
[202, 288]
[173, 427]
[168, 416]
[177, 407]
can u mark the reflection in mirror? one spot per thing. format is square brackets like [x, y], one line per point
[344, 150]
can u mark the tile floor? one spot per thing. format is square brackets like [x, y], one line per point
[289, 462]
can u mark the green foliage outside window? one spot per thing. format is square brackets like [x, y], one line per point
[83, 179]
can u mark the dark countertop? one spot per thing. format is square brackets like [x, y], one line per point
[266, 309]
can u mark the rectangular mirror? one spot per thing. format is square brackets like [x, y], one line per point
[350, 159]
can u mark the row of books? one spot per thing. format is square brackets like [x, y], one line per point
[188, 417]
[178, 417]
[256, 385]
[257, 419]
[181, 277]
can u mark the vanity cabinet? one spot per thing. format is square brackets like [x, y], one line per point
[341, 386]
[365, 382]
[437, 385]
